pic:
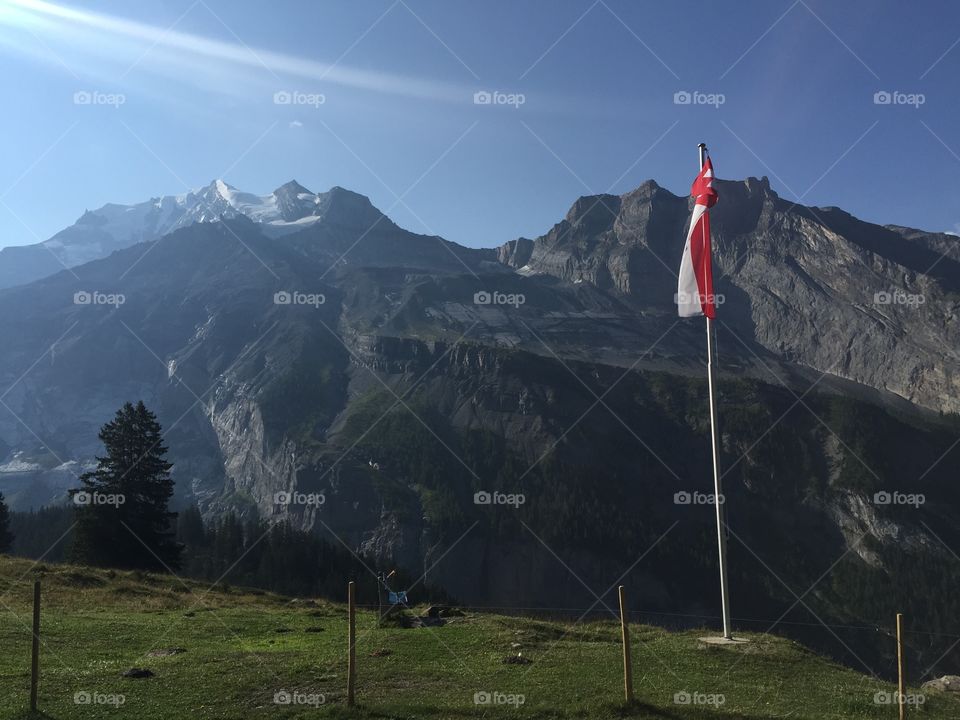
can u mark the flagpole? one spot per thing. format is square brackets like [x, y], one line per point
[715, 447]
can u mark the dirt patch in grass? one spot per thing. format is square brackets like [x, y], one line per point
[165, 652]
[78, 578]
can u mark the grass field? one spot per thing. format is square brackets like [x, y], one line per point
[243, 650]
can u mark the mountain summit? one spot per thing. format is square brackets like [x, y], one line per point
[97, 233]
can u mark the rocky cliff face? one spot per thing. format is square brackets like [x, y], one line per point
[814, 286]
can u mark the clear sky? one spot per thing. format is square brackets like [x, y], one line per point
[786, 89]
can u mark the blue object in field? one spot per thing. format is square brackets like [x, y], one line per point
[398, 598]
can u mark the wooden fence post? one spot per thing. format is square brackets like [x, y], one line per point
[35, 659]
[379, 600]
[352, 635]
[627, 662]
[901, 681]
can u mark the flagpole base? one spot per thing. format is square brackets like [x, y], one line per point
[721, 640]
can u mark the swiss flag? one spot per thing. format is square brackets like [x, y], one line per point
[695, 288]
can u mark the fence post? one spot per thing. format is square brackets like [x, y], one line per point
[35, 659]
[352, 635]
[627, 662]
[379, 599]
[901, 681]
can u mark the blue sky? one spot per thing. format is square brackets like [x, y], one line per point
[786, 89]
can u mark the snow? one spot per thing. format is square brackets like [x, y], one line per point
[226, 192]
[123, 225]
[18, 466]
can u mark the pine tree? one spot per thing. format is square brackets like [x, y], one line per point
[190, 530]
[6, 538]
[121, 507]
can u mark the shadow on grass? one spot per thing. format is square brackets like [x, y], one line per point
[642, 711]
[633, 711]
[27, 715]
[342, 712]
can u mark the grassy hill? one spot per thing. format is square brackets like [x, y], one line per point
[228, 653]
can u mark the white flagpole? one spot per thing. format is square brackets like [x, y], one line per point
[715, 446]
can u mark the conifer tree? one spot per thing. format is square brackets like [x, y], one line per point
[122, 511]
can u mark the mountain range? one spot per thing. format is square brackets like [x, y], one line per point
[97, 233]
[300, 343]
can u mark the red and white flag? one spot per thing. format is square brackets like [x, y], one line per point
[695, 289]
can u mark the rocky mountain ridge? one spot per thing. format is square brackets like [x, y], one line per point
[814, 286]
[97, 233]
[398, 375]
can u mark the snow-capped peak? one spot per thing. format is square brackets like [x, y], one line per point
[226, 192]
[289, 208]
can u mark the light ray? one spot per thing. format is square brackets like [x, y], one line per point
[104, 35]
